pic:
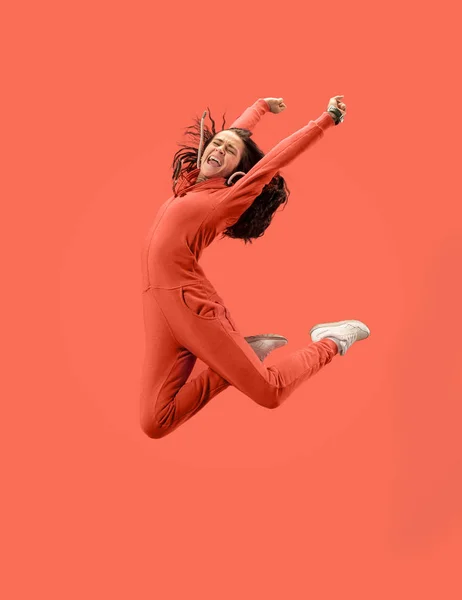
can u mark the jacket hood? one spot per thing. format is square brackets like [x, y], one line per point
[187, 183]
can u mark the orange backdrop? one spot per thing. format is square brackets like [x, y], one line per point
[350, 490]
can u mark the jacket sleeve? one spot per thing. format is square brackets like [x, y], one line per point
[252, 115]
[242, 194]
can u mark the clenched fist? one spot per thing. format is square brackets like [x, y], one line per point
[337, 103]
[276, 105]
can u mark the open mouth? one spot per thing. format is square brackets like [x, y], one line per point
[213, 161]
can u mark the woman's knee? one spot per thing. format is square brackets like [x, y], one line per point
[272, 404]
[268, 399]
[153, 429]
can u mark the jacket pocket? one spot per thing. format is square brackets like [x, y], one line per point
[230, 320]
[200, 304]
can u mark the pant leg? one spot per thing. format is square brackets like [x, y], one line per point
[166, 400]
[199, 321]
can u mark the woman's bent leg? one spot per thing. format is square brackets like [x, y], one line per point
[166, 399]
[200, 322]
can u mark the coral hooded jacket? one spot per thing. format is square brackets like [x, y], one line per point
[190, 220]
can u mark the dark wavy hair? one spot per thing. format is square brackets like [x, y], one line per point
[254, 220]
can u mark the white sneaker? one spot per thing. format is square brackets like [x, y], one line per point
[344, 333]
[265, 343]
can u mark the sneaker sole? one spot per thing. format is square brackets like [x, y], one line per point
[267, 336]
[359, 324]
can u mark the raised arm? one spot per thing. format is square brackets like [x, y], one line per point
[252, 115]
[241, 195]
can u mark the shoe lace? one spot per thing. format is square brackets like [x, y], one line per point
[352, 336]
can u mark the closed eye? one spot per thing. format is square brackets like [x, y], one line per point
[230, 148]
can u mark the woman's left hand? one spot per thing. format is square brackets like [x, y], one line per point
[276, 105]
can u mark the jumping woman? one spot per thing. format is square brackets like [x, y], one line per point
[222, 184]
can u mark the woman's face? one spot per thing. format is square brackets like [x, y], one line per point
[222, 155]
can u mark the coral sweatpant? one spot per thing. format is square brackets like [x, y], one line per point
[190, 322]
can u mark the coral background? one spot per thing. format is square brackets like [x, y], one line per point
[351, 489]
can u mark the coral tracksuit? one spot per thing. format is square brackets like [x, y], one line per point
[184, 316]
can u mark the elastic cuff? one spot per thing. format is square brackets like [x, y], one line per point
[333, 345]
[264, 104]
[325, 121]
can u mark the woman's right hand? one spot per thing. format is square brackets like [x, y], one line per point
[336, 101]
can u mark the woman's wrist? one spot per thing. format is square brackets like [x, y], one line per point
[335, 113]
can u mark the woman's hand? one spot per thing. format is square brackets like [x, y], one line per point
[276, 105]
[337, 103]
